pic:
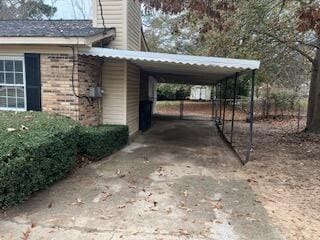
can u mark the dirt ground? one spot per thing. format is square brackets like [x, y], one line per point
[285, 175]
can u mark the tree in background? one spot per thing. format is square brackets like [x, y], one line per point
[161, 35]
[173, 91]
[165, 33]
[284, 34]
[25, 9]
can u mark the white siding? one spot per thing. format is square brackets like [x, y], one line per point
[121, 79]
[114, 12]
[134, 25]
[114, 86]
[125, 16]
[133, 97]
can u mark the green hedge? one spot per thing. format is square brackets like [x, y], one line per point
[98, 142]
[36, 149]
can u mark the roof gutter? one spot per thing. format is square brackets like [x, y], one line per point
[81, 41]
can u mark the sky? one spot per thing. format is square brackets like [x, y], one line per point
[69, 9]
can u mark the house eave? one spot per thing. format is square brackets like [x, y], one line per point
[81, 41]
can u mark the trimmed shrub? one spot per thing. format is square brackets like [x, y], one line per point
[99, 142]
[36, 149]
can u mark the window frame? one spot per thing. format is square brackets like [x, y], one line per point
[24, 85]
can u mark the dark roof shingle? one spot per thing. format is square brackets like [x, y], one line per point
[48, 28]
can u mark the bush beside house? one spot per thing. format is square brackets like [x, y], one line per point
[98, 142]
[37, 149]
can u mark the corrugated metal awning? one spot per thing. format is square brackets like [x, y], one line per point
[179, 68]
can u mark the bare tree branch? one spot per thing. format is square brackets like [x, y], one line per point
[288, 44]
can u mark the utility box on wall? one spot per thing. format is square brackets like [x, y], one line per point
[96, 92]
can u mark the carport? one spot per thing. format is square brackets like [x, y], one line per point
[194, 70]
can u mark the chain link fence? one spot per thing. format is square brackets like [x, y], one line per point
[221, 111]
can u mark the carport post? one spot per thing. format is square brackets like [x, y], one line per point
[181, 109]
[220, 104]
[251, 117]
[213, 102]
[224, 104]
[234, 105]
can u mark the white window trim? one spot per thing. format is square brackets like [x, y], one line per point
[24, 85]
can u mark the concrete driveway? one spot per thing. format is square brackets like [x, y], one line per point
[178, 181]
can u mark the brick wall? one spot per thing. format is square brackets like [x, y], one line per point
[90, 76]
[58, 91]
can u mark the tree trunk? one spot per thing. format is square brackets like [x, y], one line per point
[313, 119]
[268, 101]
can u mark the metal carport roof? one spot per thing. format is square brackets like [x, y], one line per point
[179, 68]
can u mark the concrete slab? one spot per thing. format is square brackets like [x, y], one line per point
[177, 181]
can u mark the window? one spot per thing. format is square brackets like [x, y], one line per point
[12, 84]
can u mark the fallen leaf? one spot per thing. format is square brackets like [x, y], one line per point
[120, 175]
[26, 234]
[131, 201]
[106, 217]
[11, 129]
[251, 180]
[105, 196]
[149, 194]
[183, 232]
[185, 193]
[78, 202]
[183, 207]
[251, 219]
[216, 204]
